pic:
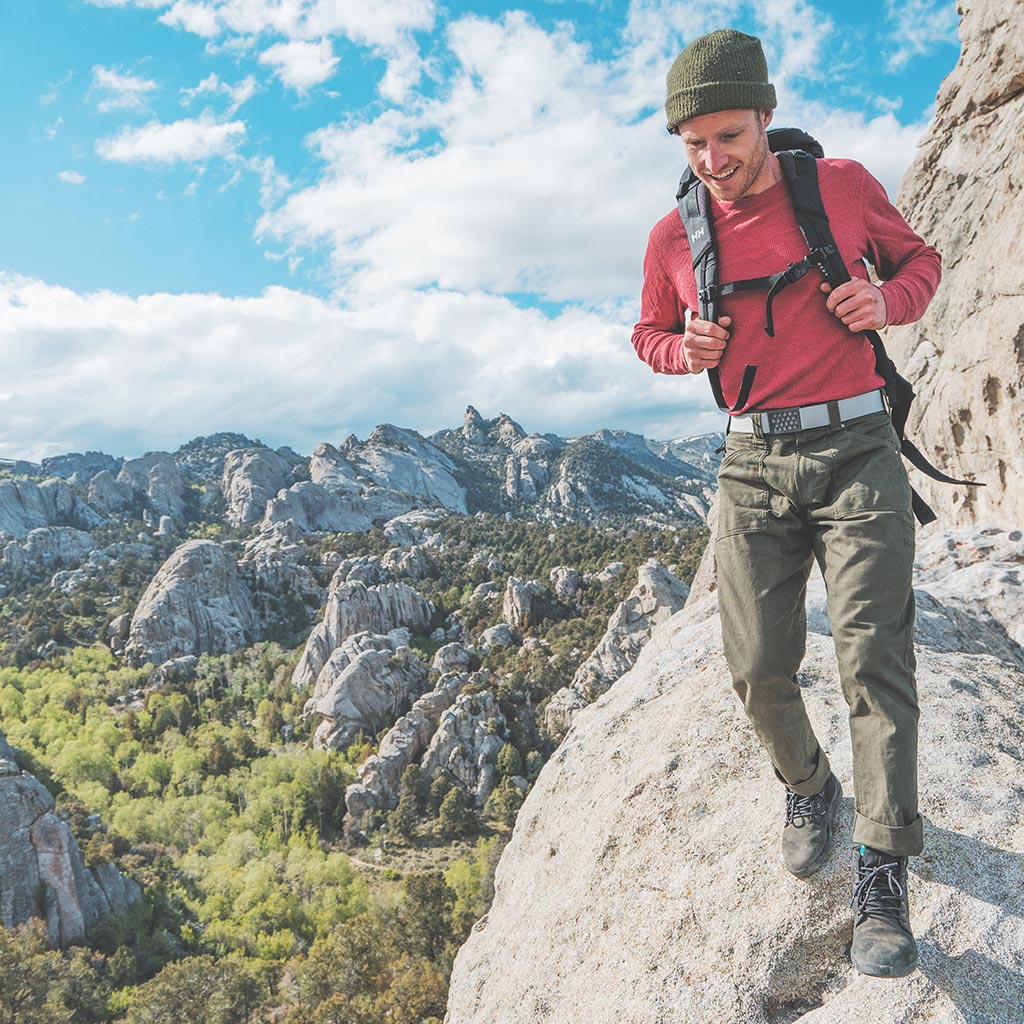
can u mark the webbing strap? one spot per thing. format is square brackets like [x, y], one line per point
[695, 213]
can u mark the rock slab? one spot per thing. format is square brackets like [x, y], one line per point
[643, 883]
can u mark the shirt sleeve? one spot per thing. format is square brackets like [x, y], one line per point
[658, 335]
[910, 269]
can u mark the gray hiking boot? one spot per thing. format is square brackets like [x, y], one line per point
[883, 944]
[808, 829]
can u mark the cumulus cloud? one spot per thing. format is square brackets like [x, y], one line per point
[549, 170]
[211, 85]
[130, 374]
[301, 65]
[305, 57]
[198, 18]
[188, 140]
[918, 26]
[119, 91]
[71, 177]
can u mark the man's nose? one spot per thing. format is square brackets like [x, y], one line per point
[715, 158]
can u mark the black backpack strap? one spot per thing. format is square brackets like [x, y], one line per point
[695, 213]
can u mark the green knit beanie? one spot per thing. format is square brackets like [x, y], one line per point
[723, 70]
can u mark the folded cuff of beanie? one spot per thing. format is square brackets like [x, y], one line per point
[710, 97]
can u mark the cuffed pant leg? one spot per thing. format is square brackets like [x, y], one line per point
[867, 556]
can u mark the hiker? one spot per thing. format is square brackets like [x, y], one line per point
[812, 467]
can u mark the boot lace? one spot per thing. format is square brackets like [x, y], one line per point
[803, 809]
[879, 891]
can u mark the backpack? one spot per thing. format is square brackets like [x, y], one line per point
[797, 153]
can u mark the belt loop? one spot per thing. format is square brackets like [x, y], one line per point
[834, 419]
[755, 420]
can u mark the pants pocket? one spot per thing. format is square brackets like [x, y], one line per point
[743, 496]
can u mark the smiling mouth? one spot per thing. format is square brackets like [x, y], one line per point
[723, 177]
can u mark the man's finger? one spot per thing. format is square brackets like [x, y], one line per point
[708, 345]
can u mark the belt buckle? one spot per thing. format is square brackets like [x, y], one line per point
[783, 421]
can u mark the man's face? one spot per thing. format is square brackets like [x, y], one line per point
[728, 151]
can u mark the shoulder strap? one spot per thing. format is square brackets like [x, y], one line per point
[695, 213]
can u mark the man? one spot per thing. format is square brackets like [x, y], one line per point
[826, 483]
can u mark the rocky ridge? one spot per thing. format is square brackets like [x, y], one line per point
[643, 883]
[963, 193]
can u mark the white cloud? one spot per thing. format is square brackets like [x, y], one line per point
[54, 89]
[153, 5]
[53, 130]
[307, 26]
[274, 185]
[188, 140]
[129, 374]
[918, 26]
[118, 91]
[198, 18]
[71, 177]
[211, 85]
[549, 171]
[301, 65]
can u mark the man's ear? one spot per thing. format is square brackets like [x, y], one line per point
[766, 117]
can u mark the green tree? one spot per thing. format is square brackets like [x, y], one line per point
[35, 981]
[509, 762]
[455, 817]
[402, 820]
[231, 990]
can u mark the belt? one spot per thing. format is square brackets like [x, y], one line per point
[804, 417]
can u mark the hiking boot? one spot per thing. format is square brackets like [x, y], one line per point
[808, 829]
[883, 944]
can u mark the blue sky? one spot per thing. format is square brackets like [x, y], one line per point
[300, 218]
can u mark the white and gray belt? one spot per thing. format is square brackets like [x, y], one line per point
[805, 417]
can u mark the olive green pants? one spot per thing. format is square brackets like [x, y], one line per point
[840, 497]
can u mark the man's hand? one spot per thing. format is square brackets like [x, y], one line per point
[858, 303]
[704, 343]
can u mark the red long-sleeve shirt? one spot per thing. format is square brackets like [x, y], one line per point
[813, 357]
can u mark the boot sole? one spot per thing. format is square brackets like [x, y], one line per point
[883, 970]
[815, 866]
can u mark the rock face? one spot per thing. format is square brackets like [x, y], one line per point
[372, 690]
[311, 507]
[196, 604]
[407, 466]
[643, 884]
[27, 506]
[566, 582]
[48, 547]
[352, 607]
[522, 605]
[42, 873]
[467, 743]
[657, 596]
[252, 476]
[157, 477]
[966, 356]
[82, 467]
[283, 589]
[381, 773]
